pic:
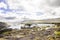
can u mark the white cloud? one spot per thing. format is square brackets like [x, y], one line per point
[2, 5]
[31, 8]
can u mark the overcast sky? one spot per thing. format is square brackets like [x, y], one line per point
[32, 9]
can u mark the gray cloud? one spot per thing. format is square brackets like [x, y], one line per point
[54, 3]
[10, 18]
